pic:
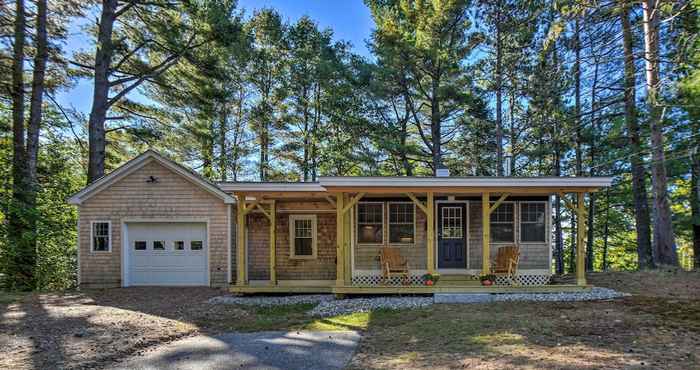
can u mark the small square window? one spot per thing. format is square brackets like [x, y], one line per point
[179, 245]
[158, 245]
[140, 245]
[196, 245]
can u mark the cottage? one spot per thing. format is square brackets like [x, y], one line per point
[154, 222]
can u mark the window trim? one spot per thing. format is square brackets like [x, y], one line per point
[546, 222]
[516, 236]
[109, 236]
[292, 236]
[388, 222]
[357, 224]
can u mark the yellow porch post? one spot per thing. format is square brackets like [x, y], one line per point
[339, 237]
[346, 242]
[240, 240]
[273, 243]
[430, 232]
[485, 234]
[581, 240]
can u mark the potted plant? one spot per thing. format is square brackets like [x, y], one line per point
[430, 279]
[487, 279]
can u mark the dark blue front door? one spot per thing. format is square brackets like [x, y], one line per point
[452, 234]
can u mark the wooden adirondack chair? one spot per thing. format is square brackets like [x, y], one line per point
[393, 265]
[506, 263]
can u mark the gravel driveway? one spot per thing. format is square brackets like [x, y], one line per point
[266, 350]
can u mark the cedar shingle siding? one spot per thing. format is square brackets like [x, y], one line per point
[172, 197]
[320, 268]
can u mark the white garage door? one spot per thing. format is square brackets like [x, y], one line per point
[173, 253]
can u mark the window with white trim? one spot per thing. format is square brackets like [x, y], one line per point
[532, 222]
[302, 236]
[101, 241]
[401, 223]
[179, 245]
[503, 223]
[370, 223]
[140, 245]
[158, 245]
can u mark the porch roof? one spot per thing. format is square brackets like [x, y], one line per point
[397, 184]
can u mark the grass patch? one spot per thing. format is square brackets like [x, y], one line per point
[12, 297]
[354, 321]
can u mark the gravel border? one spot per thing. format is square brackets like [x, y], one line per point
[327, 305]
[595, 294]
[268, 301]
[354, 305]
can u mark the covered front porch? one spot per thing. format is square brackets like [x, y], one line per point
[437, 203]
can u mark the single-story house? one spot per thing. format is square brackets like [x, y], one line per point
[154, 222]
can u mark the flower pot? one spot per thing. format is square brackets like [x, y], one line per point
[486, 282]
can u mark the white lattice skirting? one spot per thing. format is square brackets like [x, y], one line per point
[527, 280]
[370, 280]
[377, 280]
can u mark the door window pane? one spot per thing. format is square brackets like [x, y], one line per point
[452, 223]
[158, 245]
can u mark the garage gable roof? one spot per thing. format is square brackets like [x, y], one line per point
[138, 162]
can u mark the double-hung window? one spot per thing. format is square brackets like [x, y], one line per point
[101, 241]
[502, 223]
[370, 222]
[401, 223]
[532, 222]
[302, 236]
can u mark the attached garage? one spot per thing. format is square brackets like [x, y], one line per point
[166, 253]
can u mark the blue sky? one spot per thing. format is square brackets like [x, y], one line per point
[350, 20]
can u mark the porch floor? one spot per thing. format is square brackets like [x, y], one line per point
[412, 289]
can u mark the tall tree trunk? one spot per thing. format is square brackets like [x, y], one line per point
[664, 240]
[435, 126]
[223, 149]
[590, 256]
[23, 260]
[513, 132]
[639, 190]
[37, 98]
[577, 99]
[499, 98]
[307, 134]
[100, 96]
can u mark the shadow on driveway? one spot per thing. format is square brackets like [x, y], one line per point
[264, 350]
